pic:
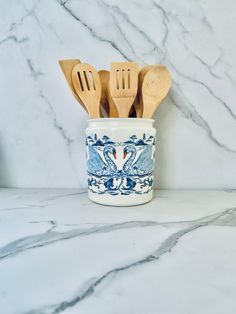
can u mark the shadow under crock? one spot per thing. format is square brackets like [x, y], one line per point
[4, 172]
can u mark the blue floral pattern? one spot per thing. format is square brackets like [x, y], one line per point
[120, 168]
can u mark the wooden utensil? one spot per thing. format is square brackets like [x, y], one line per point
[123, 86]
[138, 107]
[156, 85]
[67, 66]
[104, 79]
[87, 85]
[106, 100]
[113, 112]
[138, 103]
[132, 113]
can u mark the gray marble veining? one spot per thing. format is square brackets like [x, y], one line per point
[68, 255]
[41, 125]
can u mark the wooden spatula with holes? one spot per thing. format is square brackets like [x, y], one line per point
[67, 66]
[87, 85]
[123, 86]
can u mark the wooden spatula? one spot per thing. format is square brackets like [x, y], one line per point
[67, 67]
[87, 85]
[123, 86]
[156, 85]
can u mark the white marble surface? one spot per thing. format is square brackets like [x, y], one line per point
[41, 125]
[60, 253]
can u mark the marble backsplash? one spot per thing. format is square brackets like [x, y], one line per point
[41, 125]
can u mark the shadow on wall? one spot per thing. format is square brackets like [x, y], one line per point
[160, 116]
[4, 173]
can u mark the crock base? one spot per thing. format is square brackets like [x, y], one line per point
[120, 200]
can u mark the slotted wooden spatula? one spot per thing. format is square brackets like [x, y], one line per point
[87, 85]
[123, 86]
[156, 85]
[67, 66]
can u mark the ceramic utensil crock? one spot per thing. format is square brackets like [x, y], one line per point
[120, 160]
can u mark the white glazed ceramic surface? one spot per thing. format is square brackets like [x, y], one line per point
[120, 160]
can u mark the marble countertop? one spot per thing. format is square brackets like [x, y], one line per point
[60, 253]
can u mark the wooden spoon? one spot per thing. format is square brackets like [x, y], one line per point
[124, 86]
[104, 79]
[132, 113]
[156, 85]
[138, 103]
[106, 100]
[87, 85]
[138, 107]
[67, 66]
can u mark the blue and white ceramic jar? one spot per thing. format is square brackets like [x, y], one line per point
[120, 160]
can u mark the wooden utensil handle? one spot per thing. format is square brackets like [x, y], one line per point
[123, 106]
